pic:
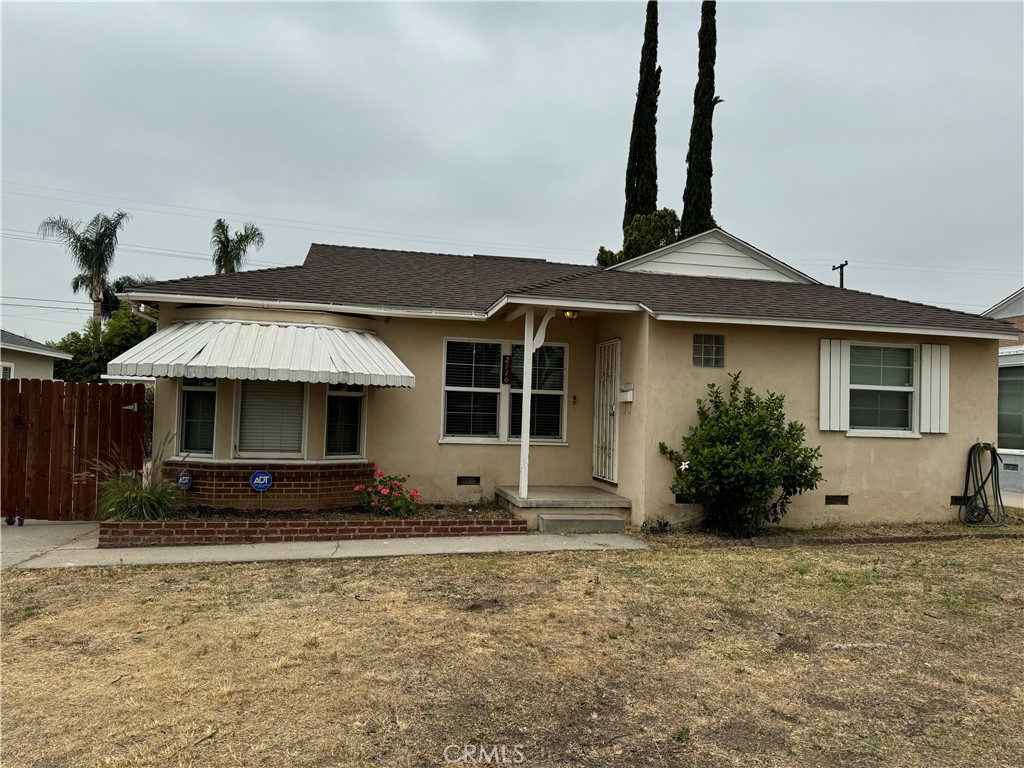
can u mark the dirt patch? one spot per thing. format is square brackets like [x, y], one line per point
[656, 658]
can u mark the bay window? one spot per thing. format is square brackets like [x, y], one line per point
[198, 411]
[344, 420]
[271, 418]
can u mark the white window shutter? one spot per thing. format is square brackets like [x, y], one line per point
[934, 388]
[834, 392]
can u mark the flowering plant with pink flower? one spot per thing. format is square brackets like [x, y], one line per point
[386, 496]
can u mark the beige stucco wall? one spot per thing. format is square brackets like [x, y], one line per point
[26, 365]
[886, 478]
[403, 426]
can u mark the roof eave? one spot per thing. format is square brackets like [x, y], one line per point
[908, 330]
[55, 353]
[359, 309]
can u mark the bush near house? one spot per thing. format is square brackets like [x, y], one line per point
[386, 496]
[742, 462]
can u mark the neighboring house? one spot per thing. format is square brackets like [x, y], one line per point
[1011, 392]
[22, 358]
[416, 361]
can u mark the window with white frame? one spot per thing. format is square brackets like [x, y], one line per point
[472, 387]
[881, 387]
[7, 372]
[198, 412]
[344, 420]
[479, 406]
[548, 393]
[884, 389]
[271, 418]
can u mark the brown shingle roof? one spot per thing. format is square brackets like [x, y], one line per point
[725, 297]
[373, 277]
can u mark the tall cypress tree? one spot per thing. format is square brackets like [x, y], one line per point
[696, 216]
[642, 164]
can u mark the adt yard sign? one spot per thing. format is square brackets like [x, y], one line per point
[261, 481]
[183, 479]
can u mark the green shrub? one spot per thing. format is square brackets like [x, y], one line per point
[742, 461]
[385, 496]
[126, 496]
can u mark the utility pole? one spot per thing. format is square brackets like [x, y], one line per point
[841, 267]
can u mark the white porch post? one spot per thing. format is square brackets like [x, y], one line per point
[531, 342]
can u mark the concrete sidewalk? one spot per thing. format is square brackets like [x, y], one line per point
[73, 545]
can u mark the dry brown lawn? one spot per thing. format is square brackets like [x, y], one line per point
[672, 657]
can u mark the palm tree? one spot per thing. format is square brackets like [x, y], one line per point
[229, 251]
[92, 249]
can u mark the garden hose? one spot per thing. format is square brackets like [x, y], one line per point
[982, 505]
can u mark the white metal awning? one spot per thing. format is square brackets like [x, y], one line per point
[265, 352]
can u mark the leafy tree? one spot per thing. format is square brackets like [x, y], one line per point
[120, 285]
[92, 249]
[646, 233]
[230, 251]
[696, 215]
[96, 345]
[743, 462]
[642, 163]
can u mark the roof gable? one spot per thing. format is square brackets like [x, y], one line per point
[714, 253]
[1011, 306]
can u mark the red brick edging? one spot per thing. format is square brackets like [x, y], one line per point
[191, 532]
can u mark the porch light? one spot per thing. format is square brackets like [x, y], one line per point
[570, 314]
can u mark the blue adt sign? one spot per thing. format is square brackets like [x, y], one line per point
[261, 481]
[183, 479]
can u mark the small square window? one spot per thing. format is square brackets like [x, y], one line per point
[708, 350]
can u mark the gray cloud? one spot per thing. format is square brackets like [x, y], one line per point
[886, 134]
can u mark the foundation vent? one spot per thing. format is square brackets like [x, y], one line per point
[467, 480]
[837, 501]
[956, 501]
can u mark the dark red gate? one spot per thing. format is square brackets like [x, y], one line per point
[59, 437]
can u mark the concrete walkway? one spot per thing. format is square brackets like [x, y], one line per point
[71, 545]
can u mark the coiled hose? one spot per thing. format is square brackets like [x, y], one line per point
[982, 505]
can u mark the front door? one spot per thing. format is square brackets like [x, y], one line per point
[606, 417]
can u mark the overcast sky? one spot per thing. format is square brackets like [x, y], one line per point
[889, 135]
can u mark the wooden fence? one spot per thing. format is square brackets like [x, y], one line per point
[57, 437]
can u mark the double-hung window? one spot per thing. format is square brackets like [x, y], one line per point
[6, 371]
[344, 420]
[198, 412]
[548, 393]
[884, 390]
[271, 419]
[483, 386]
[881, 388]
[472, 387]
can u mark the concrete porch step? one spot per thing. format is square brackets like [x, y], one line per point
[549, 523]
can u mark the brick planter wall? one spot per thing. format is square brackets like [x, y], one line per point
[190, 532]
[295, 486]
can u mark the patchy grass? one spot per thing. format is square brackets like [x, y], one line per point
[659, 658]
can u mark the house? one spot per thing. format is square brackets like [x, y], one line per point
[22, 358]
[421, 362]
[1011, 393]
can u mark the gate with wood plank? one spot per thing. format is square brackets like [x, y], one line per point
[59, 438]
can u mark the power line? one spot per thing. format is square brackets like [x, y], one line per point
[309, 226]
